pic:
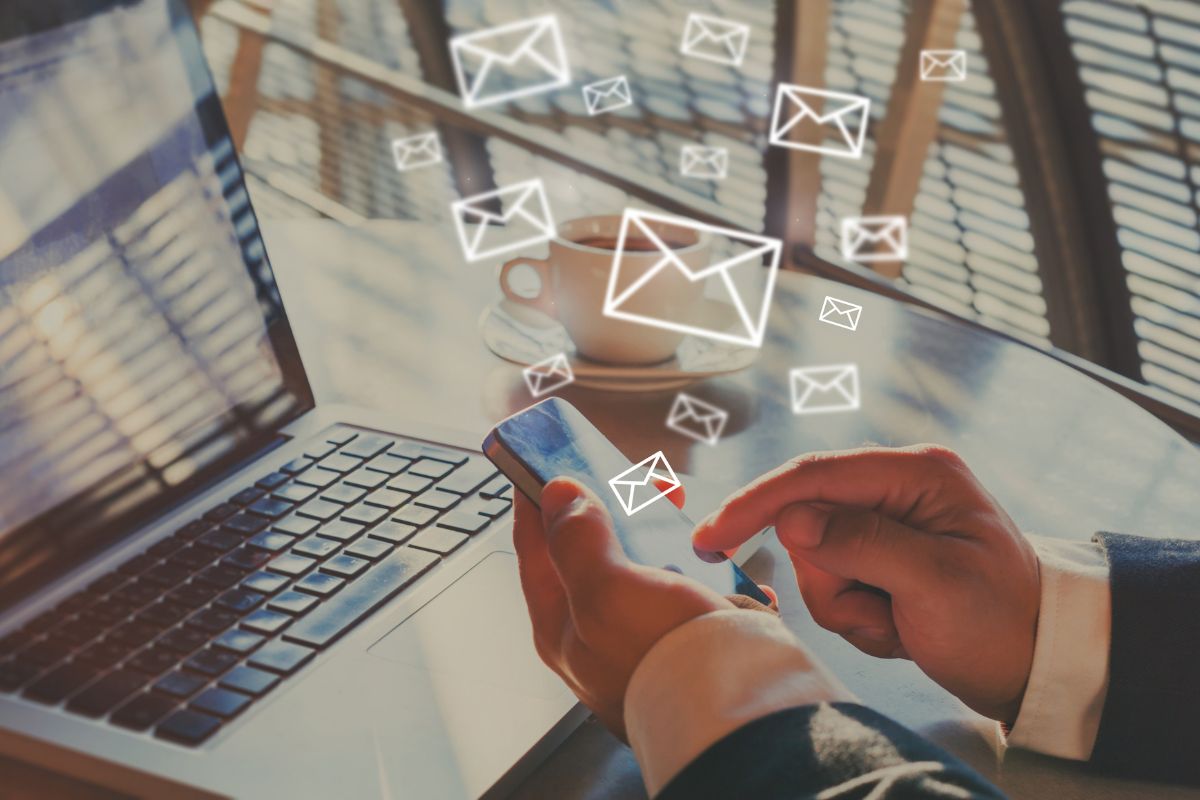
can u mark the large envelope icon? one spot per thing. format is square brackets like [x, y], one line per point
[417, 151]
[510, 61]
[737, 281]
[607, 95]
[698, 161]
[840, 119]
[715, 39]
[525, 220]
[820, 390]
[841, 313]
[697, 419]
[636, 487]
[867, 239]
[943, 65]
[548, 375]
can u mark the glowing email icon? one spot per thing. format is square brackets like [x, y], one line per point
[548, 375]
[943, 65]
[739, 281]
[715, 39]
[698, 161]
[525, 220]
[510, 61]
[841, 313]
[607, 95]
[807, 119]
[421, 150]
[696, 419]
[867, 239]
[643, 483]
[821, 390]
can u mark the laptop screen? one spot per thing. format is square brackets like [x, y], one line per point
[143, 345]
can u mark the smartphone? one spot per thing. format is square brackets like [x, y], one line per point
[553, 438]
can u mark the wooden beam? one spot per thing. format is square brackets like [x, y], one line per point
[241, 100]
[794, 176]
[910, 126]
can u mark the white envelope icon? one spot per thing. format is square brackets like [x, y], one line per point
[696, 419]
[715, 39]
[943, 65]
[840, 117]
[524, 221]
[698, 161]
[548, 375]
[841, 313]
[820, 390]
[510, 61]
[737, 281]
[635, 488]
[867, 239]
[607, 95]
[417, 151]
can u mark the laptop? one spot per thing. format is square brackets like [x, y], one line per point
[208, 585]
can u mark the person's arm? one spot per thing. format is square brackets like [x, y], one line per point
[663, 659]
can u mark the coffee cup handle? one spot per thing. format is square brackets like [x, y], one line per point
[543, 301]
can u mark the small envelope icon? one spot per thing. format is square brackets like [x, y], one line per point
[635, 488]
[841, 313]
[417, 151]
[715, 39]
[867, 239]
[607, 95]
[698, 161]
[943, 65]
[525, 220]
[839, 117]
[548, 375]
[510, 61]
[696, 419]
[738, 281]
[820, 390]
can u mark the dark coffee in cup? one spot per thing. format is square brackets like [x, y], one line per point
[632, 244]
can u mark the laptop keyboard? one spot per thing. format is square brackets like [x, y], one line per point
[183, 637]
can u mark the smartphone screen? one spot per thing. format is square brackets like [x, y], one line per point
[552, 438]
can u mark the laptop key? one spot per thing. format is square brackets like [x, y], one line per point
[389, 463]
[271, 481]
[341, 530]
[193, 557]
[238, 641]
[193, 595]
[430, 468]
[154, 660]
[388, 498]
[439, 540]
[394, 532]
[499, 486]
[210, 662]
[365, 478]
[57, 684]
[319, 584]
[137, 565]
[464, 521]
[164, 614]
[270, 541]
[166, 575]
[294, 493]
[212, 620]
[266, 622]
[220, 577]
[340, 434]
[102, 655]
[272, 507]
[410, 483]
[364, 514]
[133, 634]
[194, 528]
[106, 693]
[420, 516]
[246, 523]
[345, 566]
[180, 684]
[265, 583]
[188, 727]
[183, 639]
[245, 559]
[368, 446]
[240, 600]
[372, 549]
[297, 465]
[221, 540]
[220, 512]
[295, 525]
[318, 477]
[221, 702]
[338, 614]
[282, 657]
[320, 510]
[340, 463]
[291, 602]
[247, 496]
[316, 547]
[343, 493]
[469, 477]
[319, 449]
[143, 711]
[417, 450]
[437, 499]
[251, 681]
[291, 564]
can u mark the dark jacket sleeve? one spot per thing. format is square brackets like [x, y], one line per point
[1149, 725]
[839, 750]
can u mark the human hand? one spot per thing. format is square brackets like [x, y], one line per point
[906, 555]
[595, 613]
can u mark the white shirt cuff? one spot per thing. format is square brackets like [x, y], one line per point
[1064, 698]
[709, 677]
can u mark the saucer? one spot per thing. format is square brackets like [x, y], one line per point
[526, 336]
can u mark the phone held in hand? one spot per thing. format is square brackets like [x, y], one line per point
[553, 438]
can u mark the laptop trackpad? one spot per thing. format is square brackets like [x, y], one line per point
[476, 629]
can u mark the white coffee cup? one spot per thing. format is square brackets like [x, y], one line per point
[574, 279]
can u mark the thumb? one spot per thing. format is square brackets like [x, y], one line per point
[861, 545]
[581, 542]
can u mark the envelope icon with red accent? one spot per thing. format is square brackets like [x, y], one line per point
[548, 375]
[738, 280]
[639, 486]
[821, 390]
[697, 419]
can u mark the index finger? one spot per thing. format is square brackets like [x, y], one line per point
[892, 481]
